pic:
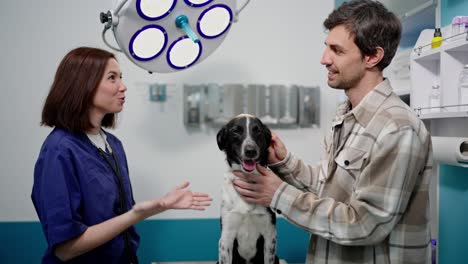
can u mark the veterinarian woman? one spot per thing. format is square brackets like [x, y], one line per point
[82, 192]
[368, 200]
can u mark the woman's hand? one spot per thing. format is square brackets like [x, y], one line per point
[183, 198]
[179, 198]
[277, 150]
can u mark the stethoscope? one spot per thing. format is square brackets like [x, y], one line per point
[114, 164]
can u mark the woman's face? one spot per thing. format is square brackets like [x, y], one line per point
[110, 93]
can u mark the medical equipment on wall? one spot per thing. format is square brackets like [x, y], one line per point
[268, 100]
[231, 100]
[193, 104]
[309, 110]
[276, 105]
[288, 105]
[252, 105]
[213, 102]
[169, 35]
[158, 92]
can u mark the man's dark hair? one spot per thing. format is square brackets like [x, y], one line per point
[372, 26]
[71, 95]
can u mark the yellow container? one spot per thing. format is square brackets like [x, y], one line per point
[437, 40]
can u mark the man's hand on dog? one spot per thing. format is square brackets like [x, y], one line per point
[257, 188]
[277, 151]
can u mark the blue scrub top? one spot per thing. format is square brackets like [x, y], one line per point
[74, 188]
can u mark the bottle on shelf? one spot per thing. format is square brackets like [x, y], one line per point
[464, 24]
[434, 97]
[437, 40]
[456, 21]
[463, 89]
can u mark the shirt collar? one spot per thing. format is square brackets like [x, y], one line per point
[366, 109]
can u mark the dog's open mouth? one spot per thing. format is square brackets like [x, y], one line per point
[248, 165]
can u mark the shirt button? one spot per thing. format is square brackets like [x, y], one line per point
[346, 162]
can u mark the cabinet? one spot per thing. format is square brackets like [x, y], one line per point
[415, 15]
[405, 8]
[441, 65]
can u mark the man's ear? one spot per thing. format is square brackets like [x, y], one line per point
[374, 59]
[221, 138]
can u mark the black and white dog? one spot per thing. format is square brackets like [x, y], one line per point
[248, 231]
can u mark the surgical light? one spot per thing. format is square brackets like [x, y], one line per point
[169, 35]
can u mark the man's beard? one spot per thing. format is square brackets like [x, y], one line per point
[347, 83]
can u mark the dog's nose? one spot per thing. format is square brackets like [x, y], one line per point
[250, 152]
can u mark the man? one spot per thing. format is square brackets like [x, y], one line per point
[368, 200]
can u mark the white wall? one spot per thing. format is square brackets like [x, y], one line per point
[273, 42]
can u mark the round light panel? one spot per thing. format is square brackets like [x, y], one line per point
[183, 53]
[214, 21]
[154, 9]
[148, 43]
[197, 3]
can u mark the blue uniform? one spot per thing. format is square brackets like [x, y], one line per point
[74, 188]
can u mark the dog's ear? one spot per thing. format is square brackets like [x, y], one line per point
[221, 138]
[266, 134]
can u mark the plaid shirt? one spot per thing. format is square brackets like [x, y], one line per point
[368, 200]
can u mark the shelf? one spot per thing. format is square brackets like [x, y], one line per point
[457, 46]
[428, 56]
[428, 116]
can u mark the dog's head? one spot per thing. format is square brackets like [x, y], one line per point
[245, 140]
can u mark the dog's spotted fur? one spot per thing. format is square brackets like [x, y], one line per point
[248, 231]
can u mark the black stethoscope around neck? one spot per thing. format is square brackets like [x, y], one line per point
[114, 164]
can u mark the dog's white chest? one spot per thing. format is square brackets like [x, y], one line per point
[244, 221]
[232, 201]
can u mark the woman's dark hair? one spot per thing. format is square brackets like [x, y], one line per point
[71, 94]
[372, 26]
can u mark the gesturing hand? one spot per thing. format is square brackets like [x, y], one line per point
[183, 198]
[257, 188]
[179, 198]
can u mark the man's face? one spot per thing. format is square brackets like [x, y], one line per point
[343, 59]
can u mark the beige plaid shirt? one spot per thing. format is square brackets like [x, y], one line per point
[368, 200]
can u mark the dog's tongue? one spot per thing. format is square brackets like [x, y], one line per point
[248, 165]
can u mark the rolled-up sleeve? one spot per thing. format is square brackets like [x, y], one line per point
[56, 197]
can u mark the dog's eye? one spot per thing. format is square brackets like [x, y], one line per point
[256, 130]
[237, 130]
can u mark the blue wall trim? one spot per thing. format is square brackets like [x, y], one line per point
[453, 214]
[161, 240]
[22, 242]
